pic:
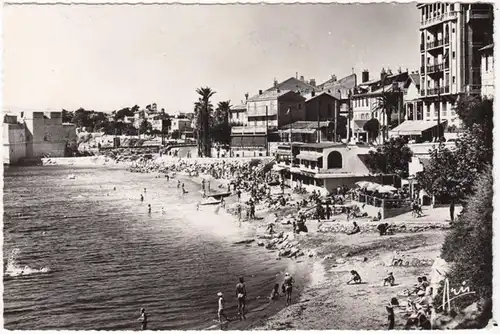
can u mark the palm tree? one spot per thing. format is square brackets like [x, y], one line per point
[387, 104]
[222, 130]
[203, 109]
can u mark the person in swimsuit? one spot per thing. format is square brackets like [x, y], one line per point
[355, 277]
[142, 198]
[390, 311]
[149, 208]
[287, 285]
[143, 319]
[241, 295]
[221, 313]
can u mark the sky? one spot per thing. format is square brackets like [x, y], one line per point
[108, 57]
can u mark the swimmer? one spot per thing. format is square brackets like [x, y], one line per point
[114, 188]
[198, 206]
[144, 190]
[149, 208]
[162, 210]
[142, 198]
[178, 184]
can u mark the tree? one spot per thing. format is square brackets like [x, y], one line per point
[469, 245]
[120, 114]
[67, 116]
[203, 110]
[372, 127]
[145, 127]
[81, 118]
[451, 174]
[390, 158]
[220, 127]
[388, 103]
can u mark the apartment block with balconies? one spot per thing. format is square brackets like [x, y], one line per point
[451, 35]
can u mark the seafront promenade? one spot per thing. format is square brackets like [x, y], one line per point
[325, 249]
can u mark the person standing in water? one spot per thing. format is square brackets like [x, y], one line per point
[144, 190]
[142, 198]
[287, 284]
[241, 295]
[143, 319]
[221, 313]
[178, 184]
[149, 208]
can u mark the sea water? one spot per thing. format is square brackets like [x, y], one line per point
[80, 255]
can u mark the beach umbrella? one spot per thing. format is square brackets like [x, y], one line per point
[386, 189]
[362, 184]
[372, 186]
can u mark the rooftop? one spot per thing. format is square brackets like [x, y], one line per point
[239, 107]
[320, 94]
[269, 95]
[305, 125]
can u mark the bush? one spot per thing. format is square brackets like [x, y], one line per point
[469, 245]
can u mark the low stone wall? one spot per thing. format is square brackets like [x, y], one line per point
[370, 227]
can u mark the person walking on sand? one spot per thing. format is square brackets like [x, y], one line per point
[287, 285]
[221, 313]
[143, 319]
[390, 312]
[241, 295]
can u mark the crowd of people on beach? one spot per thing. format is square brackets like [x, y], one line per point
[257, 185]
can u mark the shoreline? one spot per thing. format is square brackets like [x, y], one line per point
[327, 254]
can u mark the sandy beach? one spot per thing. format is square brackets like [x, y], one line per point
[322, 300]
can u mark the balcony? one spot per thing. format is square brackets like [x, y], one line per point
[438, 19]
[422, 47]
[435, 44]
[437, 68]
[436, 91]
[479, 14]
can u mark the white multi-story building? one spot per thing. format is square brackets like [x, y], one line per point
[487, 72]
[451, 35]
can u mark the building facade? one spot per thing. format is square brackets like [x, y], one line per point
[237, 114]
[36, 134]
[451, 35]
[487, 72]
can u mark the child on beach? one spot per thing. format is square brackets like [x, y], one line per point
[355, 277]
[221, 313]
[389, 279]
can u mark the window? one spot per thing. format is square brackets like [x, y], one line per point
[362, 116]
[300, 106]
[334, 160]
[453, 54]
[454, 79]
[486, 63]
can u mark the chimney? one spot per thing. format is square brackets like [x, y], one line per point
[313, 93]
[365, 76]
[260, 91]
[302, 78]
[399, 70]
[389, 71]
[296, 75]
[246, 97]
[334, 77]
[382, 73]
[312, 82]
[275, 82]
[407, 70]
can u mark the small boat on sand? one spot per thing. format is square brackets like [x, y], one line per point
[210, 201]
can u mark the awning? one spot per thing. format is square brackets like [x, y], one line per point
[283, 152]
[413, 128]
[358, 124]
[310, 156]
[306, 131]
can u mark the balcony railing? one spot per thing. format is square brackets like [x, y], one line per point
[422, 47]
[438, 19]
[446, 41]
[435, 44]
[441, 90]
[437, 67]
